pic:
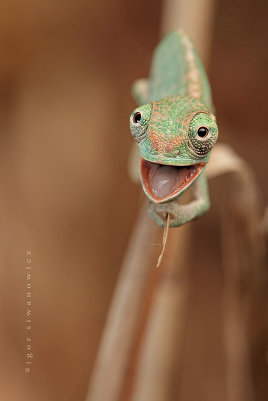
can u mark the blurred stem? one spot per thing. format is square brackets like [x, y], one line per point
[114, 353]
[195, 17]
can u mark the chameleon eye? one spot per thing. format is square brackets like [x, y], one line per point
[137, 117]
[202, 132]
[139, 121]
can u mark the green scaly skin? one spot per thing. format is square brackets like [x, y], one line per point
[175, 109]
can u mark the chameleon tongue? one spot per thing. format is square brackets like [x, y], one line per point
[163, 180]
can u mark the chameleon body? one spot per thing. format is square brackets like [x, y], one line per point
[175, 129]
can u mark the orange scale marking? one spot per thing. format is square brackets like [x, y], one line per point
[157, 141]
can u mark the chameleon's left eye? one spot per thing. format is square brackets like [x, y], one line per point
[203, 134]
[139, 121]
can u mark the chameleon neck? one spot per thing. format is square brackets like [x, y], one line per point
[177, 70]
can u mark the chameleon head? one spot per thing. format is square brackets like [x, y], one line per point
[175, 136]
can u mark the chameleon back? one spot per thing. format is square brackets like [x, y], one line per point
[177, 70]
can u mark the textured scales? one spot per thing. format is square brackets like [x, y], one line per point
[166, 141]
[175, 130]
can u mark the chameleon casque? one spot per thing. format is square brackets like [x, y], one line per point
[175, 129]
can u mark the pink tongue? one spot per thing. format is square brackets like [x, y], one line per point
[162, 180]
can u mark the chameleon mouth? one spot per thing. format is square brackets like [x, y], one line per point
[162, 183]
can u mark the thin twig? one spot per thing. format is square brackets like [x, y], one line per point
[165, 236]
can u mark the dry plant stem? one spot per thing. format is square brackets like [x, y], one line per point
[164, 335]
[195, 18]
[149, 299]
[244, 273]
[239, 379]
[115, 349]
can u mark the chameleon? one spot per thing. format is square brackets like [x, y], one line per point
[175, 129]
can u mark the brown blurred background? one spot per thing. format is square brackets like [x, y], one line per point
[65, 76]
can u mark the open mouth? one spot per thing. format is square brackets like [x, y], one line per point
[163, 182]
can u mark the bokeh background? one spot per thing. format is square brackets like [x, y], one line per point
[65, 76]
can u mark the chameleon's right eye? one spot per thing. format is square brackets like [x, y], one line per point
[139, 121]
[137, 117]
[202, 132]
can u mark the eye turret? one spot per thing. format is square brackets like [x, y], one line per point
[139, 121]
[203, 134]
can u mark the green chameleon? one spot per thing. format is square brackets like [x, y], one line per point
[175, 129]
